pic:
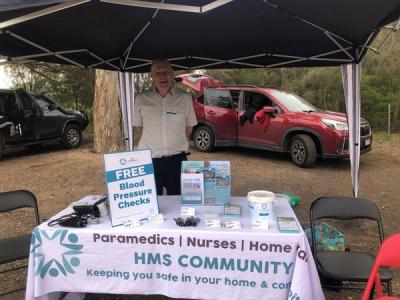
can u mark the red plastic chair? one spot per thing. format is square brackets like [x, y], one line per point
[389, 256]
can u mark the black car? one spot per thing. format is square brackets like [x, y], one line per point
[31, 119]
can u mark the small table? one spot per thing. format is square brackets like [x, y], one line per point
[179, 262]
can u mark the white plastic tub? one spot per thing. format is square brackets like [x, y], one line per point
[261, 205]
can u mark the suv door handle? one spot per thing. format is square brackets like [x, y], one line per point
[211, 112]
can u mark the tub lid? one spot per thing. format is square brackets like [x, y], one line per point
[261, 196]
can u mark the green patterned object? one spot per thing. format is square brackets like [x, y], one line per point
[328, 237]
[293, 200]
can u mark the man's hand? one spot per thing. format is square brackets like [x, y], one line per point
[139, 132]
[188, 132]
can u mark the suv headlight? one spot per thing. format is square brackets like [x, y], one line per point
[337, 125]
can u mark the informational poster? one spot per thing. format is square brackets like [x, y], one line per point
[131, 186]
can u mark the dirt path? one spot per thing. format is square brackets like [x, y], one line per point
[58, 177]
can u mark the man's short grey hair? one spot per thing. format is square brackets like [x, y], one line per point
[159, 61]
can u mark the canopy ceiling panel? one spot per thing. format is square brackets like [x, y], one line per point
[127, 34]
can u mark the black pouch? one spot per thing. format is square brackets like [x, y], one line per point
[87, 209]
[71, 220]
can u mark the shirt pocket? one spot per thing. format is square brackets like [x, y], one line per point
[151, 116]
[176, 121]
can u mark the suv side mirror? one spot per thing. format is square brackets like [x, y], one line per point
[52, 106]
[269, 110]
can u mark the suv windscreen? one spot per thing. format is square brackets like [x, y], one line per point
[218, 98]
[293, 102]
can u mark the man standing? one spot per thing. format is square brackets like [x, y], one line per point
[165, 116]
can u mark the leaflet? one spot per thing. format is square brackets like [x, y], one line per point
[192, 189]
[222, 181]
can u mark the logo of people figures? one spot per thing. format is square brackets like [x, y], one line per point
[62, 255]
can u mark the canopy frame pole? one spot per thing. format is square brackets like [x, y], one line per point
[237, 60]
[25, 57]
[394, 27]
[393, 30]
[43, 49]
[339, 45]
[41, 13]
[365, 47]
[137, 66]
[59, 54]
[213, 5]
[167, 6]
[103, 60]
[127, 52]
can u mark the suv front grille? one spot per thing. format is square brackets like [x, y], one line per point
[365, 129]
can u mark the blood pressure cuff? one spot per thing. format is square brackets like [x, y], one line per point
[97, 209]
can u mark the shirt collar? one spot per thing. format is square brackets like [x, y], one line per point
[171, 92]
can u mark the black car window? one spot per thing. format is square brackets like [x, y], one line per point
[256, 101]
[25, 100]
[44, 105]
[201, 99]
[235, 94]
[8, 105]
[218, 98]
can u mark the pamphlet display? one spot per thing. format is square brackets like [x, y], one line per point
[131, 186]
[215, 186]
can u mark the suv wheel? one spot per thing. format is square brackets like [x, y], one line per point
[72, 136]
[203, 138]
[303, 151]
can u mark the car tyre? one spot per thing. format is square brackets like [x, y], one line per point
[303, 151]
[72, 136]
[203, 139]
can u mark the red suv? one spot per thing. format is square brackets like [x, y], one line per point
[267, 118]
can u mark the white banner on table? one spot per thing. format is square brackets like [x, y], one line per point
[179, 262]
[188, 265]
[131, 186]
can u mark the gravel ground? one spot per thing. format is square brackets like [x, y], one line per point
[58, 177]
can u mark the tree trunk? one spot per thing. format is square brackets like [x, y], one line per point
[106, 113]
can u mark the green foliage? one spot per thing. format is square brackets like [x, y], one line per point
[70, 86]
[142, 82]
[384, 136]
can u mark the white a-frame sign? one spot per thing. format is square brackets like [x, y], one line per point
[131, 186]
